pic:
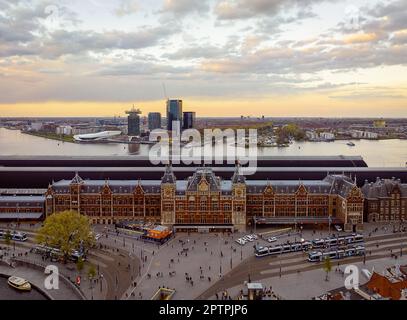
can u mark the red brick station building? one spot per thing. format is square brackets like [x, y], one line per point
[205, 202]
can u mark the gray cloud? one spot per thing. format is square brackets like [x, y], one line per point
[244, 9]
[127, 7]
[74, 42]
[141, 68]
[184, 7]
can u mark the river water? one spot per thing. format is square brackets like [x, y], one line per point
[7, 293]
[376, 153]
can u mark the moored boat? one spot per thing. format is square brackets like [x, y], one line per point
[19, 283]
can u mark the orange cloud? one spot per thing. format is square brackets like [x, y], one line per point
[360, 37]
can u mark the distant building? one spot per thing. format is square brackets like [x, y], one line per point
[386, 200]
[379, 123]
[312, 135]
[174, 112]
[133, 122]
[154, 120]
[64, 130]
[358, 134]
[83, 130]
[36, 126]
[327, 136]
[189, 120]
[324, 136]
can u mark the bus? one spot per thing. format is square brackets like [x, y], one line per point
[16, 236]
[318, 256]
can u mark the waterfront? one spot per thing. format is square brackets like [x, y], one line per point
[377, 153]
[7, 293]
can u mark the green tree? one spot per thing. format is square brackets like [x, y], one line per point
[327, 267]
[66, 231]
[92, 272]
[8, 237]
[80, 265]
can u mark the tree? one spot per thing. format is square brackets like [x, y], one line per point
[92, 271]
[67, 231]
[80, 264]
[327, 267]
[8, 237]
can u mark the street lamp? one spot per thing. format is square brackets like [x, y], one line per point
[231, 257]
[329, 225]
[220, 258]
[101, 282]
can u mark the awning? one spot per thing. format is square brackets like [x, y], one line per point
[21, 216]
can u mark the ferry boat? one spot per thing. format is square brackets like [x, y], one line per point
[19, 283]
[351, 144]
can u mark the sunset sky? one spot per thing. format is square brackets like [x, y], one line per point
[222, 57]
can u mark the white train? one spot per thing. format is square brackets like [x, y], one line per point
[318, 256]
[337, 241]
[285, 248]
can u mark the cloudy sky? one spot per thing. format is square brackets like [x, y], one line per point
[222, 57]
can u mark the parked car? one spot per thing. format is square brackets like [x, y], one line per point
[272, 239]
[338, 228]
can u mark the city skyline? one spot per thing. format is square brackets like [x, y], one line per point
[223, 58]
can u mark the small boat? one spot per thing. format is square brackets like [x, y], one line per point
[351, 144]
[19, 283]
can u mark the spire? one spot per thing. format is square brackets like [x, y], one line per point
[237, 176]
[169, 176]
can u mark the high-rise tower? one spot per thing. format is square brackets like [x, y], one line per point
[133, 122]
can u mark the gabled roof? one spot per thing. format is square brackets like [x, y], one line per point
[386, 288]
[77, 179]
[237, 176]
[204, 174]
[288, 186]
[169, 176]
[383, 188]
[340, 184]
[116, 186]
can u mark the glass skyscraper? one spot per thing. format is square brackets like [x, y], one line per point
[174, 113]
[154, 121]
[189, 120]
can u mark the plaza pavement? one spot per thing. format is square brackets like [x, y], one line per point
[311, 284]
[212, 260]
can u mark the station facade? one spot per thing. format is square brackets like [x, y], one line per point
[204, 201]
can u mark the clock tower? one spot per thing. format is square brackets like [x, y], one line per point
[239, 199]
[168, 186]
